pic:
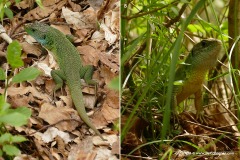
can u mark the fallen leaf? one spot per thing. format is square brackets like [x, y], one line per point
[39, 13]
[83, 150]
[33, 49]
[109, 36]
[80, 20]
[53, 115]
[89, 54]
[110, 113]
[52, 132]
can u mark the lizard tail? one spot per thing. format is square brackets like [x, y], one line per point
[78, 101]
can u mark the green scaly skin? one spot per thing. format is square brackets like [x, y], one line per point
[202, 57]
[71, 68]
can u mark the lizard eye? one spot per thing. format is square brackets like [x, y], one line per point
[33, 29]
[204, 43]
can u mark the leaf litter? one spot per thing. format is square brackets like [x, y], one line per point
[55, 130]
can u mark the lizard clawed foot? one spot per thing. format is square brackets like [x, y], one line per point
[90, 83]
[203, 119]
[53, 94]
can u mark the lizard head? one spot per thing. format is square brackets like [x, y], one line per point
[206, 51]
[207, 46]
[39, 32]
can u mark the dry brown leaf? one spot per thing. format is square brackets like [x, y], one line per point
[97, 36]
[89, 54]
[75, 7]
[60, 152]
[109, 35]
[51, 133]
[53, 115]
[107, 6]
[41, 150]
[82, 34]
[24, 4]
[2, 54]
[39, 13]
[110, 23]
[112, 18]
[98, 120]
[20, 100]
[25, 157]
[29, 48]
[22, 90]
[67, 100]
[63, 28]
[219, 118]
[112, 99]
[81, 20]
[110, 114]
[96, 4]
[83, 150]
[88, 89]
[105, 153]
[89, 101]
[116, 147]
[49, 86]
[107, 74]
[45, 68]
[29, 39]
[110, 61]
[47, 3]
[56, 154]
[97, 141]
[101, 45]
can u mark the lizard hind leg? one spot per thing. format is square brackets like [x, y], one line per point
[86, 73]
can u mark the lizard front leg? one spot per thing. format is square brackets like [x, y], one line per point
[58, 77]
[198, 106]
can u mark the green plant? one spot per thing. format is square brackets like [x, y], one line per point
[156, 37]
[5, 10]
[8, 116]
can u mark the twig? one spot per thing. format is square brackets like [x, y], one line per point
[4, 35]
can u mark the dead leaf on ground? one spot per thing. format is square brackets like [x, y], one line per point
[81, 20]
[107, 73]
[99, 120]
[52, 132]
[53, 115]
[90, 55]
[39, 13]
[110, 114]
[33, 49]
[63, 28]
[83, 150]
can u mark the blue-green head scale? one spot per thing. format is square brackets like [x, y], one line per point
[38, 31]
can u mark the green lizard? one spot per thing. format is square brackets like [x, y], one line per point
[202, 57]
[71, 68]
